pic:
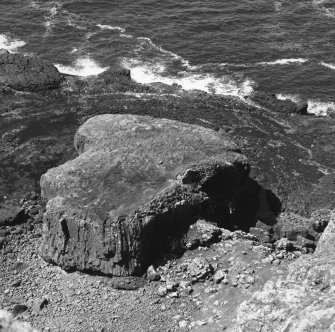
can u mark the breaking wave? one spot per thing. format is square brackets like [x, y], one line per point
[10, 44]
[148, 73]
[83, 67]
[320, 108]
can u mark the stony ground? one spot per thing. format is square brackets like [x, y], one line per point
[292, 159]
[199, 291]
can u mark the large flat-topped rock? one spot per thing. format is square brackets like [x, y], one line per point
[137, 181]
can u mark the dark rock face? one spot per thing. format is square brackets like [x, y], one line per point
[25, 73]
[137, 181]
[12, 215]
[270, 101]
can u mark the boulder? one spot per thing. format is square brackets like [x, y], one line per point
[270, 101]
[24, 73]
[303, 301]
[137, 183]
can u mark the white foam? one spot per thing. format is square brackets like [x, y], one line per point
[148, 73]
[10, 44]
[82, 67]
[110, 27]
[294, 98]
[320, 108]
[320, 6]
[282, 62]
[328, 65]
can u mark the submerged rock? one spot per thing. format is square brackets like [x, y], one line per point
[137, 182]
[270, 101]
[25, 73]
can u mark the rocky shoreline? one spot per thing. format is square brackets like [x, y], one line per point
[228, 247]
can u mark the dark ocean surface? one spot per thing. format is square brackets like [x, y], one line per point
[226, 47]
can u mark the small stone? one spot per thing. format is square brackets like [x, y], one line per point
[219, 276]
[183, 324]
[225, 281]
[276, 262]
[152, 274]
[19, 309]
[6, 291]
[174, 294]
[200, 322]
[244, 253]
[17, 283]
[162, 291]
[171, 285]
[34, 211]
[38, 305]
[211, 290]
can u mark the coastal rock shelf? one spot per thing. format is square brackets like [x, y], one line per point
[25, 73]
[137, 182]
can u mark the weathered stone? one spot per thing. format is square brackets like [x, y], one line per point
[25, 73]
[137, 183]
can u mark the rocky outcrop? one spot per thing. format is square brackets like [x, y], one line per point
[8, 324]
[137, 182]
[303, 301]
[270, 101]
[25, 73]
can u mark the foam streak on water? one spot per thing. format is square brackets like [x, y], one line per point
[328, 65]
[109, 27]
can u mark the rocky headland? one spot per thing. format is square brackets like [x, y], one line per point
[130, 207]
